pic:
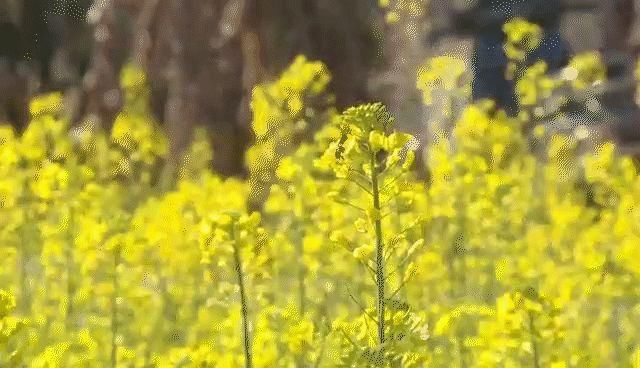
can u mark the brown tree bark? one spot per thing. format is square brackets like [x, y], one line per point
[203, 58]
[102, 98]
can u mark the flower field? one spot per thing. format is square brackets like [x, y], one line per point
[516, 250]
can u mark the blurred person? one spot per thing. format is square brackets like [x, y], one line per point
[620, 23]
[484, 21]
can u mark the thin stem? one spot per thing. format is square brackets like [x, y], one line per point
[69, 264]
[391, 248]
[380, 277]
[397, 238]
[69, 286]
[114, 308]
[24, 290]
[347, 203]
[463, 363]
[402, 284]
[361, 186]
[360, 175]
[370, 270]
[321, 352]
[362, 308]
[243, 301]
[349, 339]
[159, 322]
[302, 292]
[25, 294]
[390, 182]
[365, 313]
[400, 266]
[301, 274]
[534, 343]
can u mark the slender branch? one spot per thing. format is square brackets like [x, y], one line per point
[243, 301]
[301, 288]
[408, 256]
[69, 263]
[534, 343]
[321, 352]
[348, 338]
[342, 201]
[362, 176]
[362, 308]
[400, 264]
[380, 277]
[361, 186]
[114, 308]
[389, 183]
[372, 271]
[397, 238]
[402, 284]
[25, 294]
[385, 215]
[390, 250]
[302, 272]
[461, 349]
[385, 200]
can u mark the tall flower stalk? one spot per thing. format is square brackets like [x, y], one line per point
[373, 158]
[380, 275]
[238, 238]
[246, 337]
[114, 307]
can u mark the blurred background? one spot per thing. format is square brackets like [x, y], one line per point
[204, 57]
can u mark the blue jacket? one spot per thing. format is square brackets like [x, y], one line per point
[485, 20]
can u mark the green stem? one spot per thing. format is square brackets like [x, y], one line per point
[68, 253]
[321, 352]
[114, 309]
[463, 363]
[380, 279]
[243, 301]
[23, 259]
[534, 343]
[302, 292]
[157, 330]
[614, 330]
[401, 266]
[301, 276]
[70, 288]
